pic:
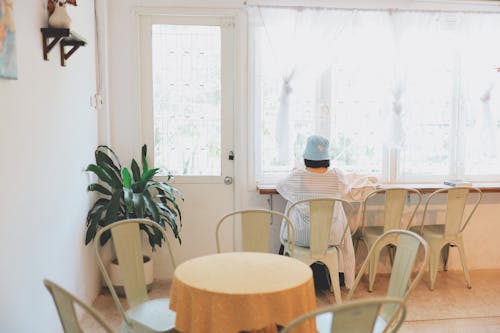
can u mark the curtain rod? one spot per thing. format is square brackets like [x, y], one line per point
[495, 8]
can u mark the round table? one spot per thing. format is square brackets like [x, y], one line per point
[241, 291]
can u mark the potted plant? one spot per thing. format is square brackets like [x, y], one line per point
[133, 193]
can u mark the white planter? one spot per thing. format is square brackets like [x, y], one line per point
[116, 276]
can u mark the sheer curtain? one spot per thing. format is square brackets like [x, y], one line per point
[481, 85]
[421, 82]
[301, 42]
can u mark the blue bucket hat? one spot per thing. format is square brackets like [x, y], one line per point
[316, 148]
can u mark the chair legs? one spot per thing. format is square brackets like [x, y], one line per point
[392, 253]
[372, 269]
[461, 250]
[356, 244]
[445, 253]
[438, 250]
[356, 238]
[334, 277]
[434, 256]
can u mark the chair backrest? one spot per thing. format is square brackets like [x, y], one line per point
[407, 245]
[356, 316]
[65, 304]
[127, 243]
[321, 213]
[455, 220]
[395, 204]
[255, 229]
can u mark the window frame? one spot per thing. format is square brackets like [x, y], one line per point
[391, 161]
[146, 18]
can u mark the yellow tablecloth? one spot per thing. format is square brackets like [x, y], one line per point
[241, 291]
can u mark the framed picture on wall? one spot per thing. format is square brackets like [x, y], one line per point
[8, 62]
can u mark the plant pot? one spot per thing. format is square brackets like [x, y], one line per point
[116, 276]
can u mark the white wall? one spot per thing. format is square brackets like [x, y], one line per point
[48, 132]
[125, 113]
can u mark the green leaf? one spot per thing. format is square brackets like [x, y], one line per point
[106, 148]
[130, 195]
[161, 195]
[94, 220]
[127, 179]
[128, 198]
[172, 201]
[102, 159]
[139, 205]
[158, 236]
[172, 191]
[113, 175]
[152, 235]
[114, 204]
[100, 202]
[98, 216]
[105, 237]
[145, 166]
[148, 175]
[151, 206]
[174, 228]
[98, 188]
[91, 232]
[135, 170]
[101, 174]
[139, 187]
[110, 169]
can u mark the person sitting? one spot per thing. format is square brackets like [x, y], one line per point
[318, 180]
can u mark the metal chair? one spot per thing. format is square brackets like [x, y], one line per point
[321, 213]
[407, 245]
[65, 304]
[396, 203]
[362, 316]
[441, 236]
[143, 315]
[255, 230]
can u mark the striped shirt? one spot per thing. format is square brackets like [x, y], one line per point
[302, 184]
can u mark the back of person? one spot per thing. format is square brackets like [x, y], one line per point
[304, 184]
[315, 181]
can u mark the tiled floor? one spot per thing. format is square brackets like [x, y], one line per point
[451, 307]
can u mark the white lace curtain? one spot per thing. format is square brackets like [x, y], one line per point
[302, 41]
[307, 41]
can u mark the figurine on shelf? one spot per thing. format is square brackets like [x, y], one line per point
[58, 16]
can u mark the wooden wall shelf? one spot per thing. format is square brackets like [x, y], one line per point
[64, 37]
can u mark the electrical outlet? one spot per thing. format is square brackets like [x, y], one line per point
[96, 101]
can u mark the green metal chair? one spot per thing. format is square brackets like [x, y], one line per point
[65, 304]
[321, 212]
[396, 203]
[143, 315]
[362, 316]
[255, 230]
[407, 245]
[441, 236]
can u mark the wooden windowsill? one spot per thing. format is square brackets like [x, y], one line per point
[423, 188]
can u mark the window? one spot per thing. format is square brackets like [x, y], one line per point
[187, 88]
[186, 67]
[404, 96]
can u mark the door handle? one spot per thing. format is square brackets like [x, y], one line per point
[228, 180]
